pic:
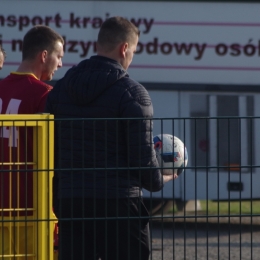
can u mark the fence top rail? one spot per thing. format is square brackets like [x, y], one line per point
[22, 118]
[12, 117]
[154, 118]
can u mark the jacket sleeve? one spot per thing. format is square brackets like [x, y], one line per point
[137, 106]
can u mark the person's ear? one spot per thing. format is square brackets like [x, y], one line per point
[123, 49]
[44, 55]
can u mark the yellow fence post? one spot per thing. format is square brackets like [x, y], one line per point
[39, 227]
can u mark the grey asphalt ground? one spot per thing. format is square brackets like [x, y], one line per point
[218, 238]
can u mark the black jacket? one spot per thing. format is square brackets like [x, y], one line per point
[103, 133]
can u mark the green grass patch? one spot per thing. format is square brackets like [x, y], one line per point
[230, 207]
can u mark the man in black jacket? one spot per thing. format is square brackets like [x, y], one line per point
[104, 156]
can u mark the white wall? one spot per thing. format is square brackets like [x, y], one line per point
[221, 39]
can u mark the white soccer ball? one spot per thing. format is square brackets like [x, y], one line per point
[171, 154]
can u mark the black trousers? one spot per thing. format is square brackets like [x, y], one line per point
[106, 229]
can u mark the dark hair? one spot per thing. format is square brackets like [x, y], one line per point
[38, 39]
[116, 30]
[2, 50]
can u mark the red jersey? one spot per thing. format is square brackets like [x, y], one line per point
[20, 93]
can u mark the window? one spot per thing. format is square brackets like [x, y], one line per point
[222, 132]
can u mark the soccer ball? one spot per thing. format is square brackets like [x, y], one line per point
[171, 154]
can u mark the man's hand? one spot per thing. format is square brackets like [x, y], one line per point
[167, 178]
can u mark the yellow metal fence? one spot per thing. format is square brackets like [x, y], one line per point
[27, 220]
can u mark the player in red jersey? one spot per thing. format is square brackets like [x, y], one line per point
[24, 92]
